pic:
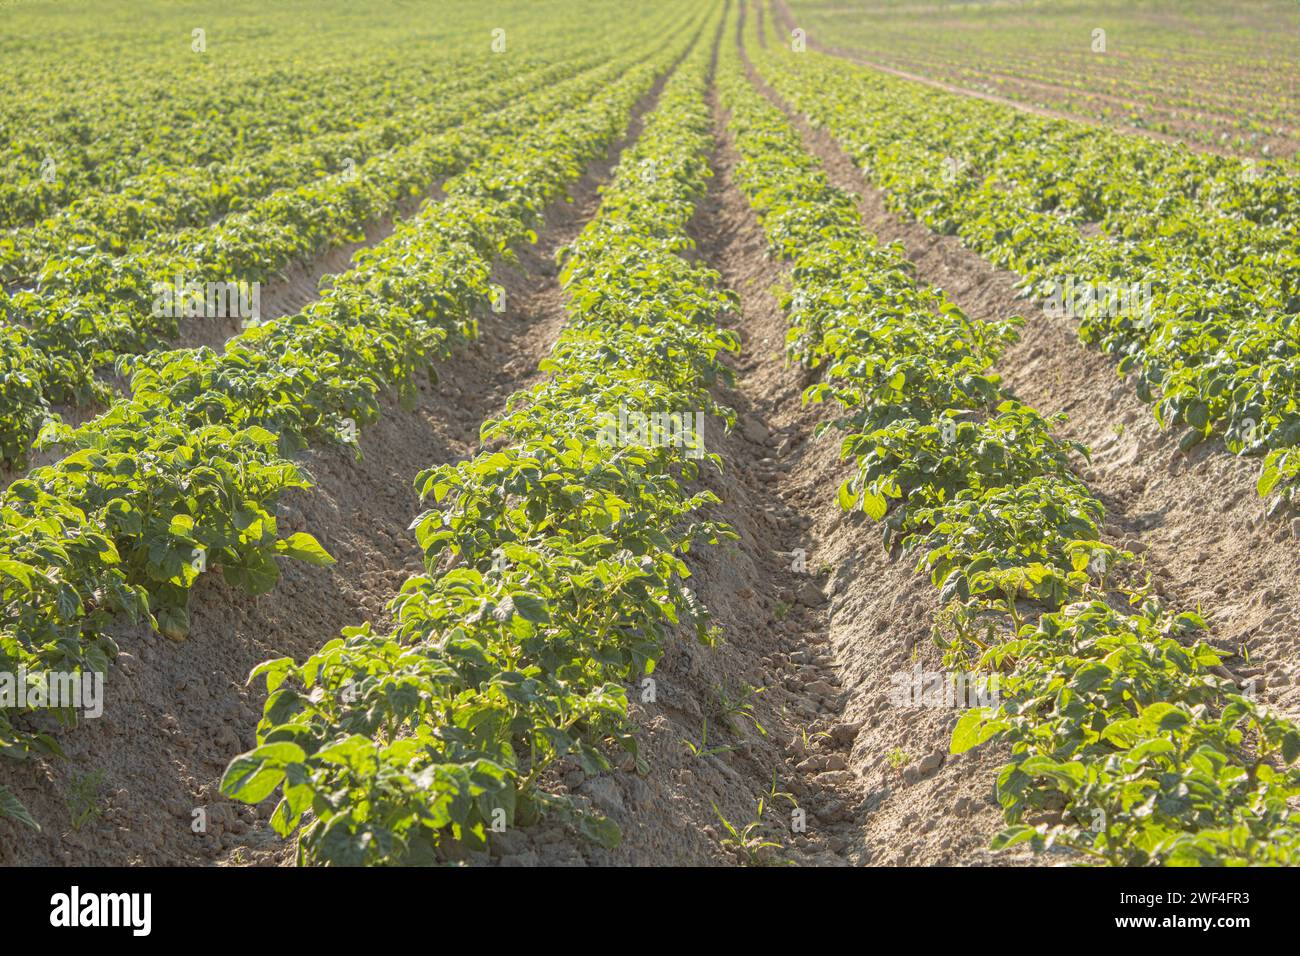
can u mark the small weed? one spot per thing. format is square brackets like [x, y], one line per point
[83, 798]
[748, 841]
[702, 749]
[741, 706]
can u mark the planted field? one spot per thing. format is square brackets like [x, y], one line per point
[1218, 76]
[653, 434]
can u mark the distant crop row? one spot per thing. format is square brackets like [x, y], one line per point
[86, 282]
[1193, 70]
[146, 209]
[1211, 242]
[219, 105]
[86, 311]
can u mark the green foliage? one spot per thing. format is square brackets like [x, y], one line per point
[1213, 342]
[86, 278]
[553, 556]
[185, 474]
[1126, 747]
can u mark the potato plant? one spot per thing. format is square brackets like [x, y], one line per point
[183, 474]
[1208, 241]
[1127, 747]
[554, 559]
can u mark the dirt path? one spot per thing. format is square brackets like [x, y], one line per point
[898, 799]
[176, 713]
[1195, 519]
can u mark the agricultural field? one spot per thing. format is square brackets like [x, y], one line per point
[668, 433]
[1220, 76]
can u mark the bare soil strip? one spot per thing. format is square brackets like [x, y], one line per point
[899, 798]
[1194, 518]
[176, 713]
[919, 805]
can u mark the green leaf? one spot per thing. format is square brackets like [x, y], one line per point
[252, 777]
[16, 569]
[1010, 836]
[347, 751]
[974, 728]
[602, 830]
[874, 504]
[304, 547]
[847, 496]
[530, 607]
[1268, 480]
[12, 808]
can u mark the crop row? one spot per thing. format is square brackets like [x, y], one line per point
[554, 559]
[1130, 186]
[92, 145]
[183, 476]
[1200, 252]
[89, 310]
[1125, 746]
[163, 200]
[75, 123]
[1198, 80]
[1142, 103]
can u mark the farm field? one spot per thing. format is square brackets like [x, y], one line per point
[1218, 76]
[741, 433]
